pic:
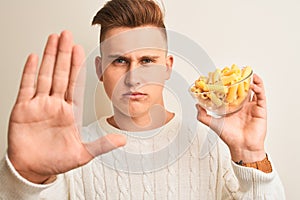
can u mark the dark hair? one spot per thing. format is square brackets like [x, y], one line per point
[128, 13]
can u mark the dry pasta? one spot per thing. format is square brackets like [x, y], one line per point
[232, 94]
[228, 86]
[218, 102]
[217, 88]
[241, 90]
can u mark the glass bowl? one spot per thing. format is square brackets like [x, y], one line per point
[220, 100]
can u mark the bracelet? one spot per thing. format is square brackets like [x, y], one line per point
[263, 165]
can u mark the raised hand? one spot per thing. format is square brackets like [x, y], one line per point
[244, 132]
[43, 136]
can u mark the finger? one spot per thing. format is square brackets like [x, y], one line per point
[216, 124]
[258, 89]
[77, 74]
[27, 86]
[258, 81]
[75, 91]
[44, 79]
[105, 144]
[254, 98]
[62, 65]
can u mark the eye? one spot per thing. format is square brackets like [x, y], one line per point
[120, 61]
[147, 60]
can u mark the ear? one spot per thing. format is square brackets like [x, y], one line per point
[169, 64]
[98, 65]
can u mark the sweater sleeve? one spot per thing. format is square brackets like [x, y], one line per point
[14, 186]
[249, 183]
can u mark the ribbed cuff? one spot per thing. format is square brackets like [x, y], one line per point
[258, 183]
[14, 186]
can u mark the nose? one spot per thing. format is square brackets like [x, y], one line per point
[133, 77]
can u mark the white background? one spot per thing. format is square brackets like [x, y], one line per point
[264, 34]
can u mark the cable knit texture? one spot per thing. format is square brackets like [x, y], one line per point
[203, 171]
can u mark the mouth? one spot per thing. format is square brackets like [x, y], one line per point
[135, 95]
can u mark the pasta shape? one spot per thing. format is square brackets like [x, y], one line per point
[232, 94]
[218, 102]
[224, 87]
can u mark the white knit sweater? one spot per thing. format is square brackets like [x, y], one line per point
[204, 170]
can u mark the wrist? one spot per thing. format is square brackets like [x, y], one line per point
[36, 178]
[27, 174]
[247, 156]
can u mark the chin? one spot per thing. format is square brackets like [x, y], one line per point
[136, 112]
[133, 110]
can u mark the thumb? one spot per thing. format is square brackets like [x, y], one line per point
[203, 116]
[216, 124]
[105, 144]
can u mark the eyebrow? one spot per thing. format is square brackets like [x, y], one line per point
[114, 56]
[149, 57]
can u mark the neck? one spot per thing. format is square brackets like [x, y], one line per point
[156, 118]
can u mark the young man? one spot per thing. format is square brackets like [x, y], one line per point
[46, 158]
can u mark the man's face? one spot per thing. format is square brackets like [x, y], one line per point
[134, 68]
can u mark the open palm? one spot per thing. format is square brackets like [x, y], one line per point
[43, 137]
